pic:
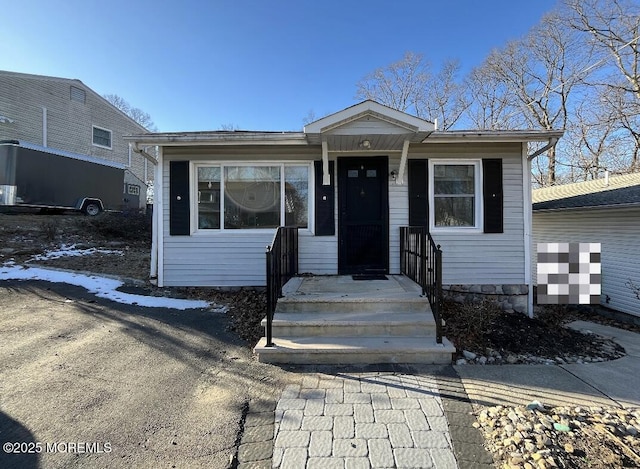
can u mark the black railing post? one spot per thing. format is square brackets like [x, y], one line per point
[281, 265]
[439, 296]
[269, 338]
[421, 261]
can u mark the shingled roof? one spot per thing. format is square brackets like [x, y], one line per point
[617, 191]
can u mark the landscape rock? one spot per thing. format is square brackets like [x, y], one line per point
[469, 355]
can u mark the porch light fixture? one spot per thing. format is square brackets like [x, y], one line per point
[366, 144]
[393, 175]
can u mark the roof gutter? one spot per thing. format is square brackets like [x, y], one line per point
[552, 142]
[587, 207]
[142, 152]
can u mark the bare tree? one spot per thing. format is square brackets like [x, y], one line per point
[399, 85]
[539, 73]
[410, 85]
[444, 98]
[137, 114]
[612, 30]
[309, 118]
[489, 102]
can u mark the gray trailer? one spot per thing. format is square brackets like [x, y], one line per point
[38, 177]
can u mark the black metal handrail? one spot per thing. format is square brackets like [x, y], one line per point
[282, 265]
[421, 261]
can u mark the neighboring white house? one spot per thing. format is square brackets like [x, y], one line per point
[60, 116]
[605, 211]
[349, 181]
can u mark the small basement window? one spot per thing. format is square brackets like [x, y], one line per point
[101, 137]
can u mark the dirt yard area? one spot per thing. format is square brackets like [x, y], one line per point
[122, 241]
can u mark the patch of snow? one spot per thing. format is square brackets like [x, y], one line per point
[102, 287]
[71, 251]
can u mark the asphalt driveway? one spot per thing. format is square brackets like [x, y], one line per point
[86, 382]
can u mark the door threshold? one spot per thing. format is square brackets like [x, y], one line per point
[369, 277]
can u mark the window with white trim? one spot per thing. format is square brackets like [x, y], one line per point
[101, 137]
[455, 194]
[252, 196]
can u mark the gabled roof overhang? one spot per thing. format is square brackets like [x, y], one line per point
[367, 127]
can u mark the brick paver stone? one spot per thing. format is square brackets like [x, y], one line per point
[321, 444]
[380, 401]
[350, 448]
[338, 409]
[380, 453]
[357, 398]
[388, 416]
[294, 458]
[363, 413]
[325, 463]
[291, 439]
[343, 427]
[400, 435]
[291, 420]
[444, 459]
[314, 407]
[357, 463]
[371, 430]
[317, 422]
[404, 403]
[430, 439]
[313, 393]
[431, 407]
[412, 458]
[416, 420]
[438, 423]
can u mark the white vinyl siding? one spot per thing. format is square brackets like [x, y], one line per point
[101, 137]
[617, 231]
[228, 259]
[398, 215]
[223, 257]
[485, 258]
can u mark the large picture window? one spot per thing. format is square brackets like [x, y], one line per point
[455, 189]
[235, 197]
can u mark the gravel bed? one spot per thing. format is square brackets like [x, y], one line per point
[537, 437]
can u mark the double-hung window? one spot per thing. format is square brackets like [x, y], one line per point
[455, 194]
[101, 137]
[252, 196]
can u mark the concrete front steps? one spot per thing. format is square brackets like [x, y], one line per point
[336, 320]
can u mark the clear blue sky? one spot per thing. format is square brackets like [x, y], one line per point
[255, 64]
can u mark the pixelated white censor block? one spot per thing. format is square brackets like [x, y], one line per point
[569, 273]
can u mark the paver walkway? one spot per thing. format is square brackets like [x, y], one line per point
[362, 420]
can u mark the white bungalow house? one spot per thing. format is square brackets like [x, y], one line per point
[605, 211]
[349, 182]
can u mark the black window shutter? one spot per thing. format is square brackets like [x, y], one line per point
[179, 198]
[492, 195]
[325, 202]
[418, 193]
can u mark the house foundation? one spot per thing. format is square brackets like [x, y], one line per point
[508, 296]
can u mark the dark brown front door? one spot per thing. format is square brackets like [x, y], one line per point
[363, 215]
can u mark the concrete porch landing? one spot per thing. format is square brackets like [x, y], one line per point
[338, 320]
